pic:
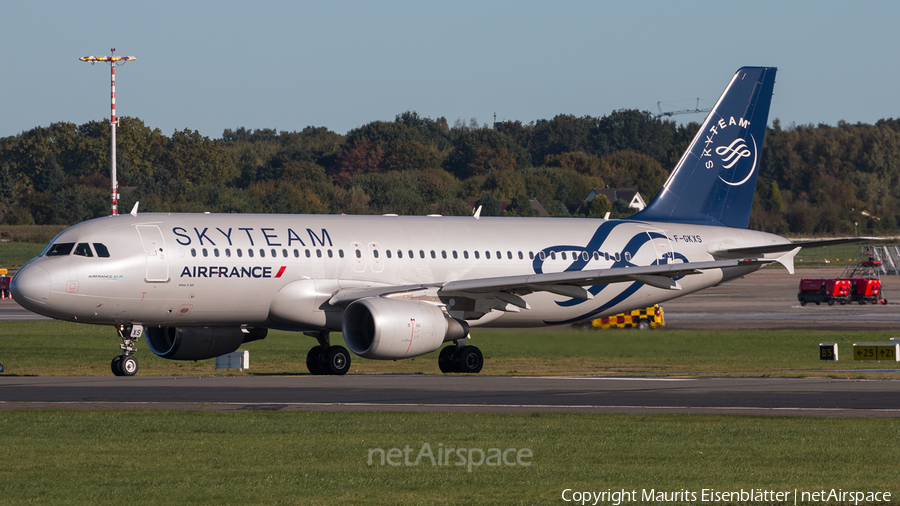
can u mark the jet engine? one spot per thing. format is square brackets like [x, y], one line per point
[389, 329]
[198, 343]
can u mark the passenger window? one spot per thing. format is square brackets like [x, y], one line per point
[596, 256]
[466, 254]
[476, 254]
[318, 253]
[499, 256]
[240, 252]
[388, 253]
[296, 253]
[358, 254]
[531, 255]
[284, 253]
[521, 256]
[60, 249]
[341, 253]
[509, 255]
[331, 255]
[249, 252]
[563, 255]
[552, 255]
[455, 255]
[216, 252]
[411, 254]
[617, 256]
[101, 250]
[83, 250]
[542, 255]
[627, 256]
[443, 254]
[205, 252]
[274, 253]
[308, 254]
[228, 252]
[375, 253]
[421, 254]
[584, 256]
[487, 254]
[399, 253]
[433, 255]
[606, 256]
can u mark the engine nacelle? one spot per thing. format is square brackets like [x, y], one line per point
[198, 343]
[388, 329]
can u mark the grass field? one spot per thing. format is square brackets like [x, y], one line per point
[257, 457]
[172, 458]
[54, 348]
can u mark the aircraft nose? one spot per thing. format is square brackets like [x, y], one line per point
[30, 286]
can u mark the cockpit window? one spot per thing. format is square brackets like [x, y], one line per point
[101, 250]
[60, 249]
[83, 250]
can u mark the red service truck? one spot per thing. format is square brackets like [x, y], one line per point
[821, 290]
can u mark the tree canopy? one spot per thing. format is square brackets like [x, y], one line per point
[813, 179]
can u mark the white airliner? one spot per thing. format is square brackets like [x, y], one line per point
[199, 285]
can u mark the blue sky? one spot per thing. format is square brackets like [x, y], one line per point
[209, 66]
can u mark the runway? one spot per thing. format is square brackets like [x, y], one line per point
[763, 300]
[482, 394]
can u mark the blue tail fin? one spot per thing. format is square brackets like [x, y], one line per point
[714, 181]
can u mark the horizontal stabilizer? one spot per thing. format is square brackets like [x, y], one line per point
[788, 246]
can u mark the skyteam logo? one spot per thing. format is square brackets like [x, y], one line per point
[730, 155]
[625, 258]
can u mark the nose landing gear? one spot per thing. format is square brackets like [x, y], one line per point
[126, 364]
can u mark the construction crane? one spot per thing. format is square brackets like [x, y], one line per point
[695, 110]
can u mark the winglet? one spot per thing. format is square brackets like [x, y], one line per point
[787, 260]
[134, 209]
[477, 213]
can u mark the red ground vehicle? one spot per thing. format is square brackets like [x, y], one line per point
[824, 290]
[866, 290]
[858, 283]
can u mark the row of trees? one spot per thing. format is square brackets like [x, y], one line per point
[813, 180]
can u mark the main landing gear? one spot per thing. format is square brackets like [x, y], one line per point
[460, 357]
[327, 359]
[126, 364]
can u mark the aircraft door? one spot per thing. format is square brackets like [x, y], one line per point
[358, 257]
[662, 246]
[155, 252]
[377, 261]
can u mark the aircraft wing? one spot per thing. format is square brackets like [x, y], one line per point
[505, 292]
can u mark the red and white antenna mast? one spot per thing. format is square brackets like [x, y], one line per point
[113, 61]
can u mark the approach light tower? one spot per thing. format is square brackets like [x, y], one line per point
[113, 61]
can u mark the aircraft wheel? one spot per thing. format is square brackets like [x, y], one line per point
[1, 367]
[446, 360]
[830, 302]
[115, 365]
[643, 325]
[314, 360]
[336, 360]
[128, 365]
[803, 302]
[469, 360]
